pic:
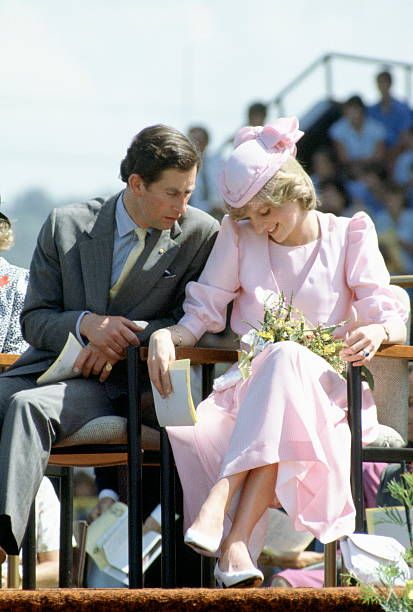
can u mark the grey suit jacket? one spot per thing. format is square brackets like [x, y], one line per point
[71, 272]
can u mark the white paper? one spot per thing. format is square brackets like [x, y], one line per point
[178, 408]
[107, 543]
[142, 324]
[62, 368]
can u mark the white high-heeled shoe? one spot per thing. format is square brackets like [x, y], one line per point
[248, 578]
[200, 542]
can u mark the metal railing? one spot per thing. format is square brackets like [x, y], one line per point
[327, 64]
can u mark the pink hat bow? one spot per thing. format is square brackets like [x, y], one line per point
[280, 135]
[259, 153]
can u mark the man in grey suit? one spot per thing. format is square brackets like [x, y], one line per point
[77, 264]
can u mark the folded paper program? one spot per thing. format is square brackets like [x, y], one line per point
[107, 543]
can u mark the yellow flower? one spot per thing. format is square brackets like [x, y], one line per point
[408, 589]
[266, 335]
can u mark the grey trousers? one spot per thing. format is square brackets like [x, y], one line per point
[32, 418]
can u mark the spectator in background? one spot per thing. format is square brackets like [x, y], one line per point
[357, 138]
[368, 192]
[402, 171]
[394, 226]
[334, 198]
[256, 116]
[394, 115]
[324, 167]
[205, 195]
[257, 113]
[13, 285]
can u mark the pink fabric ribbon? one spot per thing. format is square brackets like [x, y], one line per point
[276, 137]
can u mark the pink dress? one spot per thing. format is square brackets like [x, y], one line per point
[292, 409]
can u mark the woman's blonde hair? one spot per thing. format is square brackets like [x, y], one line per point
[290, 183]
[6, 234]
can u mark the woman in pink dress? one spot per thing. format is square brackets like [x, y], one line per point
[281, 436]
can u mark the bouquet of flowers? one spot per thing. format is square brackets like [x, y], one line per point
[282, 321]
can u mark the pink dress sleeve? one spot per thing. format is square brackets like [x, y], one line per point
[367, 275]
[206, 301]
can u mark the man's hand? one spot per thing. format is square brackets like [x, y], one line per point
[91, 360]
[110, 334]
[102, 505]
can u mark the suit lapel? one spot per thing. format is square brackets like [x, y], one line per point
[96, 252]
[160, 250]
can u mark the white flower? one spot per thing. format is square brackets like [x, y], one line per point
[267, 297]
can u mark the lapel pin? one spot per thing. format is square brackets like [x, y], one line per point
[161, 251]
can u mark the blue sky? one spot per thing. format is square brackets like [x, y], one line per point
[78, 79]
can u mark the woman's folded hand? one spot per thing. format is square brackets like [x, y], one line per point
[362, 342]
[161, 352]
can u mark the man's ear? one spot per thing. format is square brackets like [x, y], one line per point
[136, 184]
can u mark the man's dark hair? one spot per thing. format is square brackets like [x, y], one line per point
[386, 75]
[258, 108]
[198, 130]
[155, 149]
[355, 101]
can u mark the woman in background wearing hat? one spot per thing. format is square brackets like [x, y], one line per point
[13, 286]
[280, 437]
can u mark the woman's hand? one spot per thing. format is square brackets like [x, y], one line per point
[161, 352]
[362, 342]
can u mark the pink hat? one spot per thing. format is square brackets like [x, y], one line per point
[259, 152]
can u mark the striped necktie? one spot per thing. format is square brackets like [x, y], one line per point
[130, 261]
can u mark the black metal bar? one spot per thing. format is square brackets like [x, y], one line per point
[354, 409]
[387, 454]
[29, 552]
[207, 379]
[134, 471]
[66, 527]
[86, 449]
[168, 513]
[207, 563]
[207, 572]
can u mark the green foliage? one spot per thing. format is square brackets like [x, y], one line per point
[402, 491]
